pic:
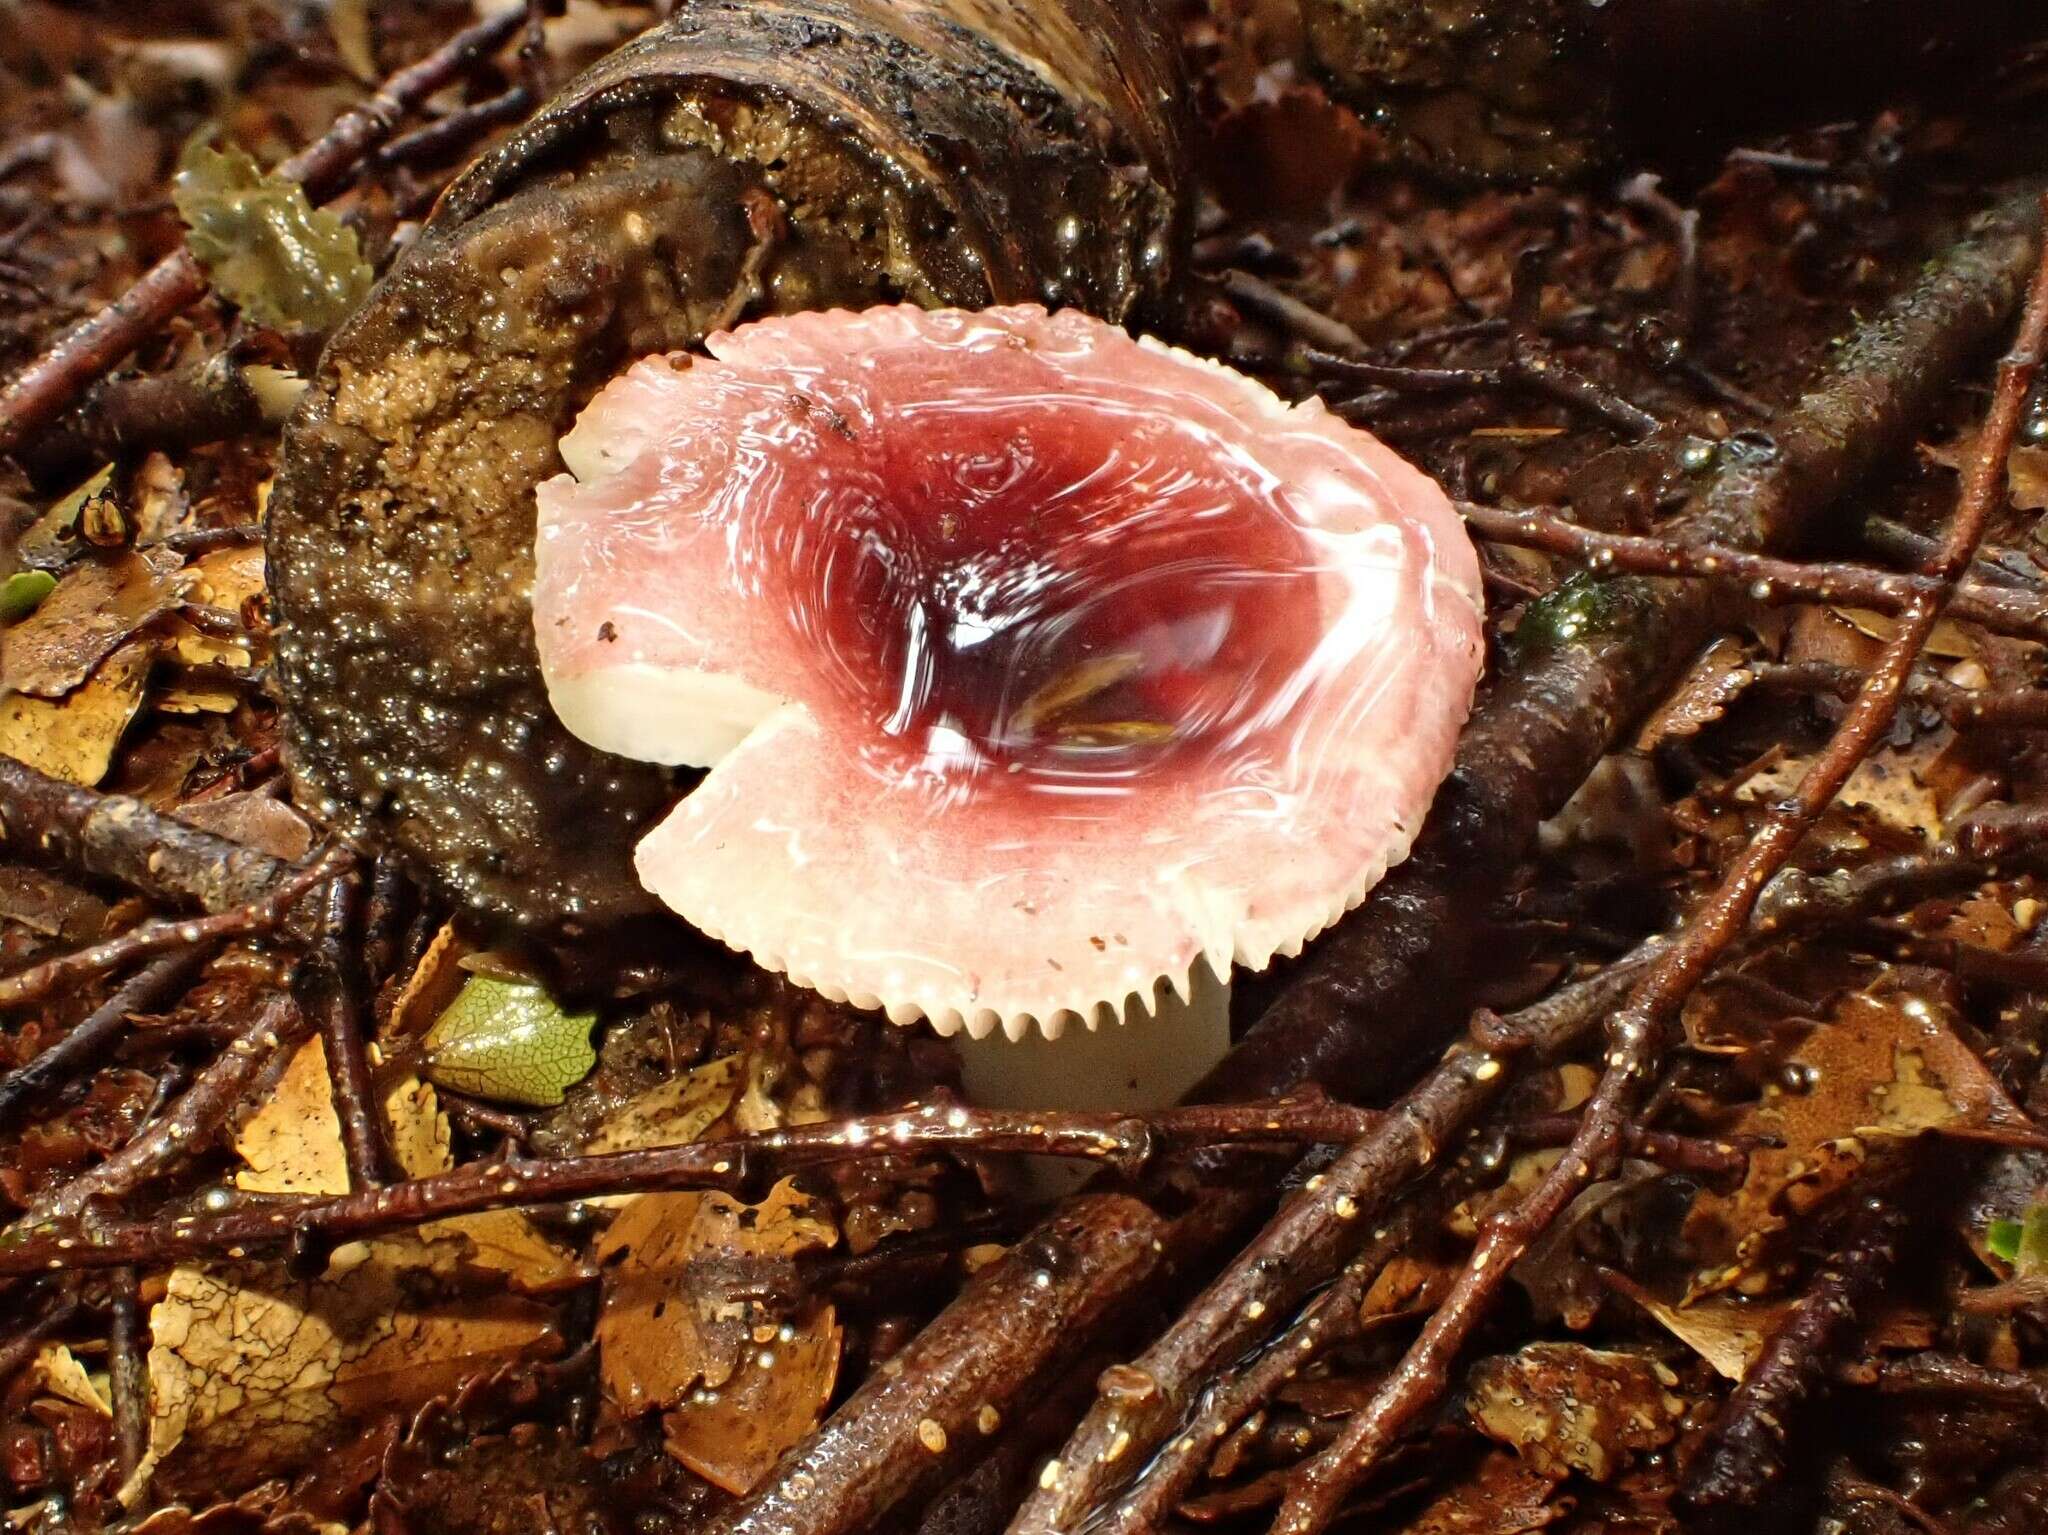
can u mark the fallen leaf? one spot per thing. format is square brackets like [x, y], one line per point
[74, 737]
[2026, 469]
[1888, 783]
[353, 28]
[1882, 1065]
[56, 1372]
[1505, 1495]
[1565, 1407]
[228, 579]
[269, 252]
[432, 987]
[251, 1371]
[1725, 1330]
[508, 1041]
[731, 1435]
[96, 606]
[675, 1112]
[254, 819]
[291, 1144]
[1720, 676]
[505, 1240]
[689, 1282]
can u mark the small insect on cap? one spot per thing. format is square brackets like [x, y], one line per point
[1031, 663]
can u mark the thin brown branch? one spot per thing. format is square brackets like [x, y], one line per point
[145, 991]
[1303, 1247]
[182, 1130]
[1964, 708]
[1743, 1456]
[127, 1377]
[38, 1313]
[455, 133]
[148, 940]
[41, 391]
[1936, 1374]
[1635, 1036]
[2021, 614]
[1528, 366]
[113, 837]
[1124, 1142]
[331, 989]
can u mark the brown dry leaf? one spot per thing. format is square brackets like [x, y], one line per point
[97, 605]
[1948, 640]
[1407, 1285]
[1720, 676]
[2026, 469]
[1881, 1066]
[228, 578]
[688, 1282]
[1565, 1407]
[292, 1143]
[51, 907]
[433, 985]
[674, 1113]
[253, 819]
[1725, 1330]
[1505, 1495]
[1889, 783]
[250, 1370]
[731, 1435]
[506, 1240]
[73, 738]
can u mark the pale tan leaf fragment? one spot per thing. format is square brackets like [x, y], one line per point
[675, 1112]
[292, 1143]
[97, 605]
[250, 1370]
[55, 1371]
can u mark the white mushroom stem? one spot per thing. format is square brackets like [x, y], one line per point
[1139, 1064]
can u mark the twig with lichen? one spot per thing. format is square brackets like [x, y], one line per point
[1764, 578]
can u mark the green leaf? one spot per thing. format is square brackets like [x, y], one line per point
[266, 248]
[2022, 1243]
[508, 1041]
[2003, 1239]
[22, 592]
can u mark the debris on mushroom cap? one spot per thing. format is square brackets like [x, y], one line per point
[1032, 663]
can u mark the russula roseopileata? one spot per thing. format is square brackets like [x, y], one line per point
[1033, 665]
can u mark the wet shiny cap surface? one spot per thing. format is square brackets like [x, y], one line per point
[1031, 662]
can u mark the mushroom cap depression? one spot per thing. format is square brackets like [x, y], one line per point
[1031, 663]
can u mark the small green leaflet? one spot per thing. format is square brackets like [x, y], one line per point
[21, 592]
[268, 250]
[508, 1041]
[2022, 1243]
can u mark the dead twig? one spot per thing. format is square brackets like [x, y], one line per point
[330, 987]
[1743, 1455]
[147, 990]
[1125, 1142]
[147, 940]
[2021, 614]
[275, 1027]
[113, 837]
[1318, 1490]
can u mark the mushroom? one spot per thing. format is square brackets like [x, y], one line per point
[1035, 668]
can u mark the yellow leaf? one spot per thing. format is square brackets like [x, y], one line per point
[292, 1143]
[732, 1434]
[674, 1113]
[57, 1372]
[74, 737]
[251, 1371]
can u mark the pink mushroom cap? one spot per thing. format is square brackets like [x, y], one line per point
[1031, 663]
